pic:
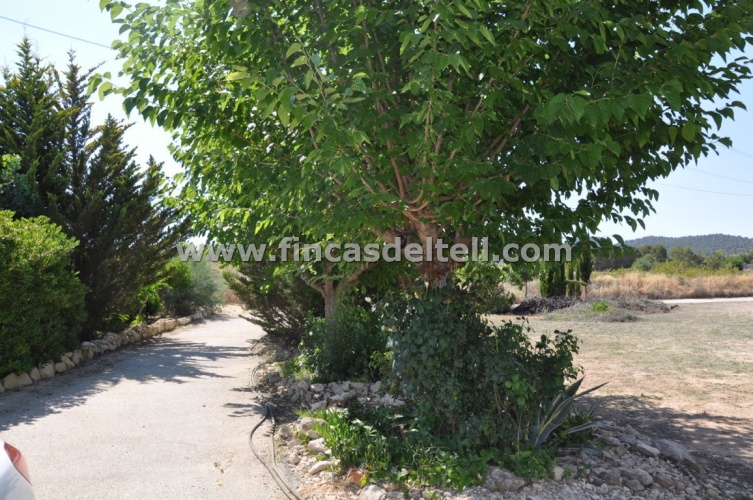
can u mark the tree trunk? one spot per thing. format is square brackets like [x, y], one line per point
[331, 299]
[333, 290]
[435, 273]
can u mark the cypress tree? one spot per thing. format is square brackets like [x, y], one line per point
[87, 181]
[32, 126]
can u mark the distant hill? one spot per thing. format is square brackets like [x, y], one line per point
[704, 244]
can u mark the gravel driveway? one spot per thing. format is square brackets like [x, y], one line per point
[170, 419]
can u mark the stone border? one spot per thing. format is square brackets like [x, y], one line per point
[629, 465]
[91, 349]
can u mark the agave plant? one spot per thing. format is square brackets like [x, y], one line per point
[561, 406]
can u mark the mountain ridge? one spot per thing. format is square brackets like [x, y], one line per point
[704, 244]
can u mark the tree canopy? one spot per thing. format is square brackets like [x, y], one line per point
[447, 118]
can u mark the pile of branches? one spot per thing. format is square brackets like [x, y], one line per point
[541, 305]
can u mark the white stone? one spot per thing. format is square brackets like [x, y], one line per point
[558, 472]
[502, 480]
[321, 466]
[34, 374]
[319, 405]
[68, 362]
[25, 379]
[307, 423]
[640, 475]
[60, 367]
[286, 432]
[373, 492]
[647, 450]
[317, 446]
[676, 452]
[12, 381]
[77, 357]
[47, 370]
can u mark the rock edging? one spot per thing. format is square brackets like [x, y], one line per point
[629, 465]
[91, 349]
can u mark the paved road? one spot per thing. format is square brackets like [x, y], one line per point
[168, 420]
[704, 301]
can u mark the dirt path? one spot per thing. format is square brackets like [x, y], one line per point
[168, 420]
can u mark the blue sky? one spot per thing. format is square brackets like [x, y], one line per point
[689, 201]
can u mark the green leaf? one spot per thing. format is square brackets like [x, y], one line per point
[599, 44]
[299, 61]
[115, 10]
[406, 42]
[283, 112]
[688, 131]
[672, 135]
[487, 34]
[296, 47]
[464, 9]
[268, 110]
[104, 90]
[236, 75]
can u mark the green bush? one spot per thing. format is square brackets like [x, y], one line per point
[483, 280]
[41, 299]
[553, 281]
[191, 286]
[600, 306]
[483, 385]
[280, 305]
[346, 346]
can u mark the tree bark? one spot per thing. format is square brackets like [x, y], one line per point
[331, 299]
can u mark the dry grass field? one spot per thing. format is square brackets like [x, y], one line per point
[684, 375]
[661, 286]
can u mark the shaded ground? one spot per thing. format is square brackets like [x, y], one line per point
[685, 375]
[167, 420]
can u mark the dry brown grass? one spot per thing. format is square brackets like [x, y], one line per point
[685, 375]
[661, 286]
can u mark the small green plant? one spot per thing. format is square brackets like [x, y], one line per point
[557, 414]
[354, 442]
[531, 464]
[190, 286]
[296, 368]
[484, 281]
[600, 306]
[343, 347]
[577, 420]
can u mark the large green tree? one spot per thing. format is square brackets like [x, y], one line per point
[438, 119]
[86, 180]
[32, 126]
